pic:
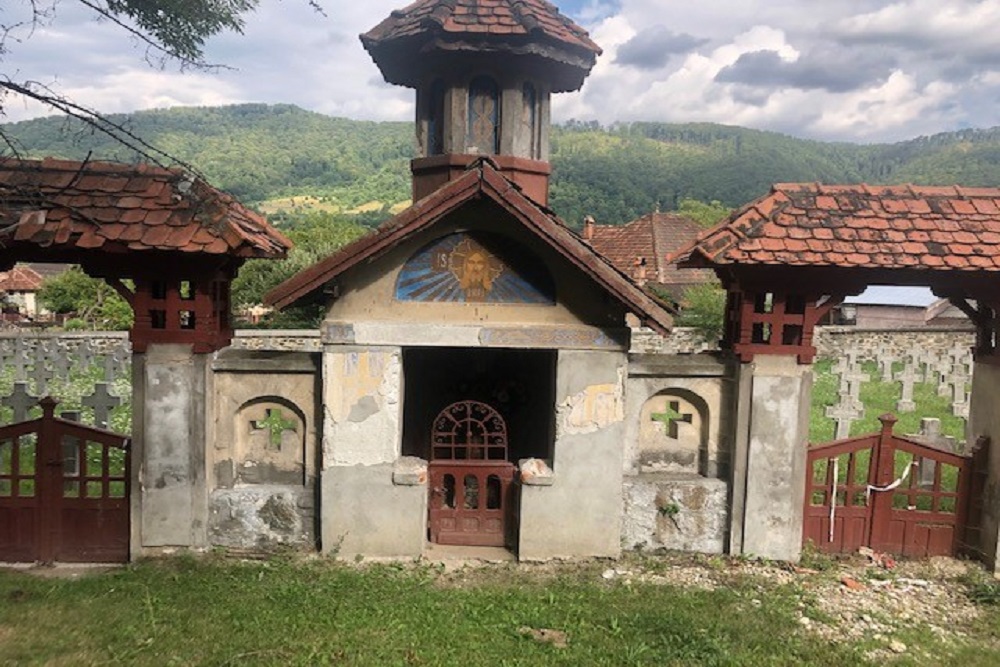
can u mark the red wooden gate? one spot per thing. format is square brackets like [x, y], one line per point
[470, 477]
[888, 493]
[64, 492]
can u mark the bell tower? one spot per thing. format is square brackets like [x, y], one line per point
[484, 72]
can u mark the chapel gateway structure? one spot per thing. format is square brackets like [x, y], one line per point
[472, 381]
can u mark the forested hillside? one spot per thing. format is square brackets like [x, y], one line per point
[260, 152]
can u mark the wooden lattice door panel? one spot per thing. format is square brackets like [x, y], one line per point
[63, 492]
[470, 503]
[471, 480]
[19, 493]
[94, 507]
[838, 477]
[888, 493]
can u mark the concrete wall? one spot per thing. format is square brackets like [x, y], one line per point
[169, 432]
[669, 511]
[984, 420]
[706, 377]
[363, 511]
[769, 467]
[263, 492]
[579, 515]
[679, 507]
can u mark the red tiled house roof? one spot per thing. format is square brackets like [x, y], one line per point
[68, 208]
[20, 279]
[481, 181]
[520, 27]
[640, 249]
[927, 229]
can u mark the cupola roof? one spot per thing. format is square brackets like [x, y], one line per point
[530, 28]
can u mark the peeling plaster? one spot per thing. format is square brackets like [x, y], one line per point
[594, 408]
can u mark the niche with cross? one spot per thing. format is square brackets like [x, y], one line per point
[270, 443]
[673, 433]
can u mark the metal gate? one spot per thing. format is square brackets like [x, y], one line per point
[64, 491]
[471, 480]
[888, 493]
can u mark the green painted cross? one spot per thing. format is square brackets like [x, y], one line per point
[275, 422]
[670, 417]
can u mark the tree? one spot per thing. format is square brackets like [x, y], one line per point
[703, 307]
[172, 31]
[90, 299]
[706, 215]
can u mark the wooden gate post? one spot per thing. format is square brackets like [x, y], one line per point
[48, 470]
[881, 473]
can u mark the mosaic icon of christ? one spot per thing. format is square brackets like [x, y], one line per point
[475, 268]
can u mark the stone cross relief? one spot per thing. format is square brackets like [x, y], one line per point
[671, 417]
[275, 423]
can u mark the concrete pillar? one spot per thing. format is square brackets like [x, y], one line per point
[984, 420]
[579, 514]
[770, 458]
[171, 414]
[363, 511]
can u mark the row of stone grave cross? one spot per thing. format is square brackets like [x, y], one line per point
[36, 364]
[950, 371]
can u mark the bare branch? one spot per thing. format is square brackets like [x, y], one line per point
[98, 122]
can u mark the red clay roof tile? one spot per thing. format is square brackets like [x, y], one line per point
[650, 238]
[884, 226]
[494, 26]
[83, 204]
[21, 278]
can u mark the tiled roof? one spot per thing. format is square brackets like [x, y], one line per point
[404, 43]
[20, 279]
[115, 208]
[478, 17]
[481, 181]
[860, 226]
[639, 249]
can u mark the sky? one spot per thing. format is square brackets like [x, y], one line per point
[843, 70]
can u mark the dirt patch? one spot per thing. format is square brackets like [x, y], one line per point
[65, 570]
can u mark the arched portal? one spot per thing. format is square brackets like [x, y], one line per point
[470, 477]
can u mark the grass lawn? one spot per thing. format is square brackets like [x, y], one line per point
[878, 398]
[216, 612]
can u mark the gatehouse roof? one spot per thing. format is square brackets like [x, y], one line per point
[67, 207]
[917, 228]
[482, 181]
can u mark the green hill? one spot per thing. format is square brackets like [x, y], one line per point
[277, 152]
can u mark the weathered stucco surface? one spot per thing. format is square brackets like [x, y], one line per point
[262, 516]
[702, 385]
[579, 515]
[666, 511]
[775, 457]
[171, 431]
[366, 514]
[984, 420]
[362, 403]
[259, 478]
